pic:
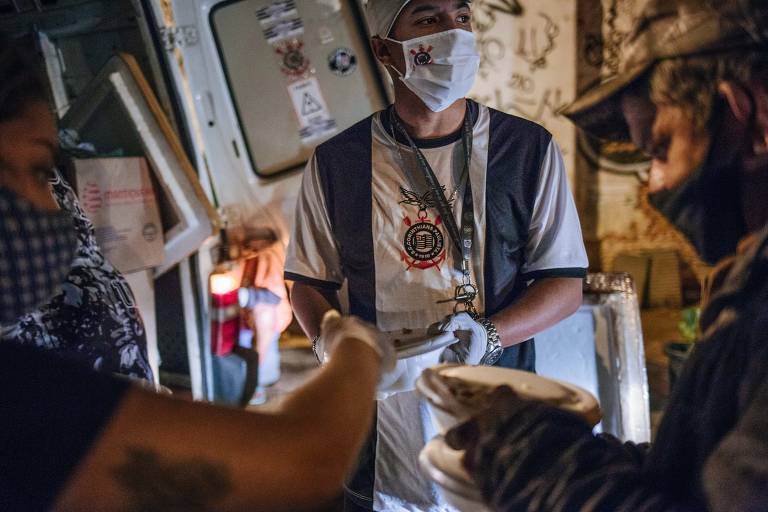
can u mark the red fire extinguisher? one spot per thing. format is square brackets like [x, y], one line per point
[225, 310]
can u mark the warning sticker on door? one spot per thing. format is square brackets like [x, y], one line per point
[315, 121]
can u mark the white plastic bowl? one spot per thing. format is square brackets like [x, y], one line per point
[443, 465]
[526, 384]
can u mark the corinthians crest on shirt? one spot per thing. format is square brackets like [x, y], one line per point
[423, 241]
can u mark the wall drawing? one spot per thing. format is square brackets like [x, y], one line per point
[521, 82]
[542, 107]
[526, 67]
[486, 12]
[612, 40]
[535, 43]
[485, 15]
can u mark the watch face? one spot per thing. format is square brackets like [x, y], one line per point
[493, 355]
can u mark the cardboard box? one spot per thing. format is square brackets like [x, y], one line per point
[118, 196]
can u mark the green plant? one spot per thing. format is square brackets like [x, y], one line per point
[688, 326]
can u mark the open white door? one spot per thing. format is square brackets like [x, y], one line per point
[253, 123]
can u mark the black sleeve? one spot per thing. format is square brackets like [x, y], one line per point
[51, 411]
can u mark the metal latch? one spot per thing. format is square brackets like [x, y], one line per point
[179, 37]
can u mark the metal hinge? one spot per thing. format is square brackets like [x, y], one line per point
[179, 37]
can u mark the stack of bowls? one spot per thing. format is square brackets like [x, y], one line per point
[526, 385]
[443, 464]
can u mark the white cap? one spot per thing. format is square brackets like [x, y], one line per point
[381, 15]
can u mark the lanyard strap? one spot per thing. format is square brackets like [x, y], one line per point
[462, 239]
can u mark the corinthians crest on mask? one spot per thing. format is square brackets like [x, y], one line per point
[422, 57]
[423, 242]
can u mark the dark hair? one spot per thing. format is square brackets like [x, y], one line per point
[20, 80]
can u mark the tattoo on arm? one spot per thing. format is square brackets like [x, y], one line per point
[154, 483]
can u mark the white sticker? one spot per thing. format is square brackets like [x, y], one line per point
[325, 35]
[287, 29]
[314, 119]
[119, 197]
[276, 11]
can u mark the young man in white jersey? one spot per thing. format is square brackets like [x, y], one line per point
[437, 212]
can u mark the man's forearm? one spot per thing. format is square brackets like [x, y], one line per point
[309, 305]
[541, 306]
[196, 457]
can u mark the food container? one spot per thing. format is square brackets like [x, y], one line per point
[473, 383]
[443, 465]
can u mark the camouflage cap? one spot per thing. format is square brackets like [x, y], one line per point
[667, 29]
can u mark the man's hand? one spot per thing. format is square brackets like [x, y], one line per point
[473, 339]
[335, 328]
[528, 432]
[473, 435]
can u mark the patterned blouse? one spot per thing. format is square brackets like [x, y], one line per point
[94, 319]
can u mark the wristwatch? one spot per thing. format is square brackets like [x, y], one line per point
[493, 348]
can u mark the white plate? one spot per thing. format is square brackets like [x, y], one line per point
[417, 342]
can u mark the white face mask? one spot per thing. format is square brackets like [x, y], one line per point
[440, 68]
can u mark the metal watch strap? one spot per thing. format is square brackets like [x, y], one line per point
[493, 349]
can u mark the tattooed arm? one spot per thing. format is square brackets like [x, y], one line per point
[158, 453]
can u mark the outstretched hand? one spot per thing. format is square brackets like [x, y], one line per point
[512, 442]
[473, 435]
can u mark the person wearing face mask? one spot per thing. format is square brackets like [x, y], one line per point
[691, 92]
[57, 289]
[437, 214]
[74, 439]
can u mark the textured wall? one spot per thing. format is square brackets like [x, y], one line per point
[536, 56]
[528, 65]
